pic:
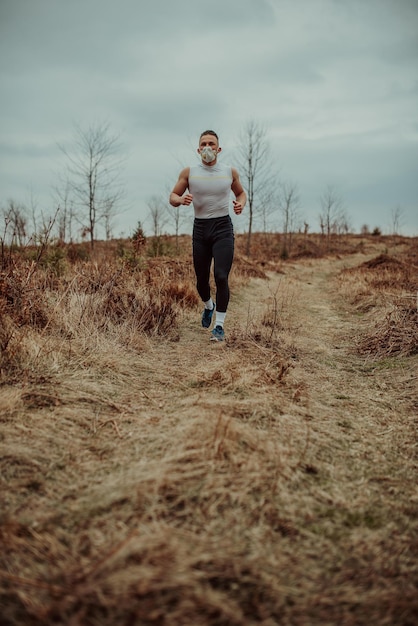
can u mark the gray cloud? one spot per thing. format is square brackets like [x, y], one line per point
[335, 84]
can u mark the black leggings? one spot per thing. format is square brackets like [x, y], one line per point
[213, 239]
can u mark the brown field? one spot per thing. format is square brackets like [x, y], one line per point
[149, 477]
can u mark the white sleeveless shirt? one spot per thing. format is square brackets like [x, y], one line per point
[211, 189]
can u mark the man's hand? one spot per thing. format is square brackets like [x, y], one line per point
[237, 207]
[186, 199]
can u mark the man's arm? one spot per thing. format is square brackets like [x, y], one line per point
[240, 195]
[176, 196]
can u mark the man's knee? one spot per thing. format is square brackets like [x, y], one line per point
[221, 278]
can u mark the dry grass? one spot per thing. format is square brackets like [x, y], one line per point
[386, 286]
[150, 478]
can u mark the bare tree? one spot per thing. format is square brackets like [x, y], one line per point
[255, 169]
[109, 213]
[94, 170]
[33, 212]
[397, 219]
[176, 216]
[289, 205]
[266, 204]
[66, 213]
[14, 233]
[16, 220]
[44, 235]
[331, 212]
[344, 225]
[4, 237]
[157, 213]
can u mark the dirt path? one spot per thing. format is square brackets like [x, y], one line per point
[355, 399]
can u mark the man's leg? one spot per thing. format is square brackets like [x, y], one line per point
[223, 254]
[202, 259]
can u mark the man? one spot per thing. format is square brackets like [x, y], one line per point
[208, 186]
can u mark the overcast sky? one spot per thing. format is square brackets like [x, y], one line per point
[334, 82]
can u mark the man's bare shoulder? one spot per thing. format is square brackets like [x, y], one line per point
[184, 174]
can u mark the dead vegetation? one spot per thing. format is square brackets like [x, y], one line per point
[386, 287]
[150, 478]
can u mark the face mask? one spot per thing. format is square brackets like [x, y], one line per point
[208, 154]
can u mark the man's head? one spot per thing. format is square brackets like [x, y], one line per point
[209, 147]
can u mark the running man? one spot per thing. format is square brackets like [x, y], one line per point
[209, 186]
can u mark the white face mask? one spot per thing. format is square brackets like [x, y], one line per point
[208, 154]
